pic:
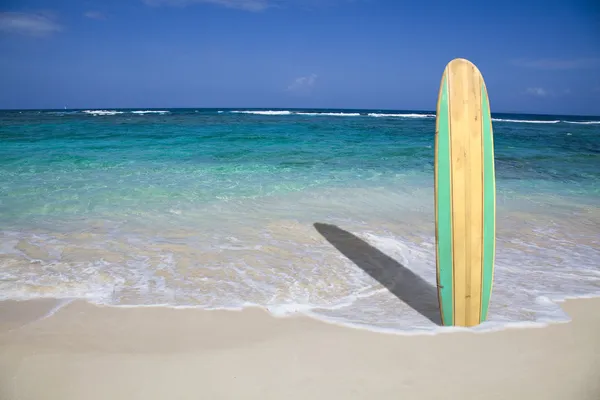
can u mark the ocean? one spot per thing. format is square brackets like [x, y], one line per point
[327, 213]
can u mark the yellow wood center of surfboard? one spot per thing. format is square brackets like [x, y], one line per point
[464, 86]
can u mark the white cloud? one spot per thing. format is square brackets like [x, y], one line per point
[303, 84]
[558, 64]
[537, 91]
[95, 15]
[248, 5]
[28, 24]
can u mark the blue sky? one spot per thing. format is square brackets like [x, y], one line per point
[536, 56]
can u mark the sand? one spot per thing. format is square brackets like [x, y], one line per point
[86, 352]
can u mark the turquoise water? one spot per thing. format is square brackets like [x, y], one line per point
[217, 209]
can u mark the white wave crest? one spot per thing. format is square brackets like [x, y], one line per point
[150, 112]
[378, 115]
[102, 112]
[285, 112]
[268, 112]
[525, 121]
[583, 122]
[331, 114]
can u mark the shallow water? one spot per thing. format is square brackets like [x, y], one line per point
[299, 211]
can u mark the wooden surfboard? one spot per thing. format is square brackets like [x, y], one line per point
[465, 196]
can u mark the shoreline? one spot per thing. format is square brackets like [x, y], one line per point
[52, 305]
[184, 269]
[97, 352]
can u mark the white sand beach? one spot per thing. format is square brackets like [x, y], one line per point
[89, 352]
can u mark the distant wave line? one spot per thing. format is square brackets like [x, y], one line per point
[583, 122]
[336, 114]
[332, 114]
[411, 115]
[115, 112]
[526, 121]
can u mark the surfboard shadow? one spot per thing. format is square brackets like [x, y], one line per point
[399, 280]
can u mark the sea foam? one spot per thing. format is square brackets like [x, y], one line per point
[525, 121]
[412, 115]
[102, 112]
[583, 122]
[142, 112]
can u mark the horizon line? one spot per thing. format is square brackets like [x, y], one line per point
[279, 108]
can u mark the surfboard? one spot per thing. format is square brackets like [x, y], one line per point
[465, 196]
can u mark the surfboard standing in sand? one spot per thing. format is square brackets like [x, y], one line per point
[464, 196]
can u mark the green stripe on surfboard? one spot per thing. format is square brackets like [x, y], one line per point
[444, 210]
[489, 206]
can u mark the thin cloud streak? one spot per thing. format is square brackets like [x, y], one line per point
[95, 15]
[28, 24]
[303, 84]
[537, 91]
[247, 5]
